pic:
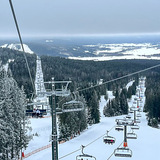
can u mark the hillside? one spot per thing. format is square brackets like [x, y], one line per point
[144, 147]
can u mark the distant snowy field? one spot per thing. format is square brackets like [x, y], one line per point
[122, 51]
[145, 147]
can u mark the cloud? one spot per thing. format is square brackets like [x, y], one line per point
[41, 17]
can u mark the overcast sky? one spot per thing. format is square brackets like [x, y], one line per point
[72, 17]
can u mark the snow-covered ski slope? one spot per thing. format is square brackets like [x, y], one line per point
[145, 147]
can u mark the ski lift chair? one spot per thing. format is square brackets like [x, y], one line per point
[135, 102]
[124, 121]
[137, 121]
[128, 116]
[139, 115]
[139, 110]
[133, 109]
[130, 111]
[109, 139]
[73, 105]
[131, 135]
[85, 156]
[123, 152]
[119, 128]
[135, 98]
[141, 102]
[135, 127]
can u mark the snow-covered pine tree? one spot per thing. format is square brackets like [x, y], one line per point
[13, 128]
[72, 123]
[123, 101]
[94, 108]
[108, 109]
[118, 105]
[6, 117]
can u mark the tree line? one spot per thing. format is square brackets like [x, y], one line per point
[83, 74]
[152, 93]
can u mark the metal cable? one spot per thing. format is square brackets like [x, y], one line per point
[128, 75]
[94, 140]
[16, 23]
[98, 137]
[111, 128]
[70, 153]
[113, 152]
[86, 145]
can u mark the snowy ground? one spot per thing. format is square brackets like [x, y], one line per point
[129, 84]
[146, 147]
[124, 51]
[108, 58]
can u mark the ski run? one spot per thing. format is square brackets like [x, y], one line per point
[145, 147]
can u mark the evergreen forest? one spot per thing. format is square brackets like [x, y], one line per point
[84, 74]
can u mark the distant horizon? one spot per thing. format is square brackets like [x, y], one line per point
[79, 35]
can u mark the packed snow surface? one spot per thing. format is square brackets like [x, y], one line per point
[145, 147]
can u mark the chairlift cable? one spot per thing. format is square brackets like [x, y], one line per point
[69, 153]
[85, 145]
[113, 152]
[21, 42]
[119, 78]
[111, 128]
[95, 140]
[99, 137]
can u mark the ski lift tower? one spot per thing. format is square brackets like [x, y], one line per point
[124, 151]
[61, 91]
[40, 100]
[134, 109]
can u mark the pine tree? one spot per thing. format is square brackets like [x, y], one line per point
[12, 117]
[129, 93]
[94, 108]
[106, 95]
[109, 109]
[123, 101]
[74, 122]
